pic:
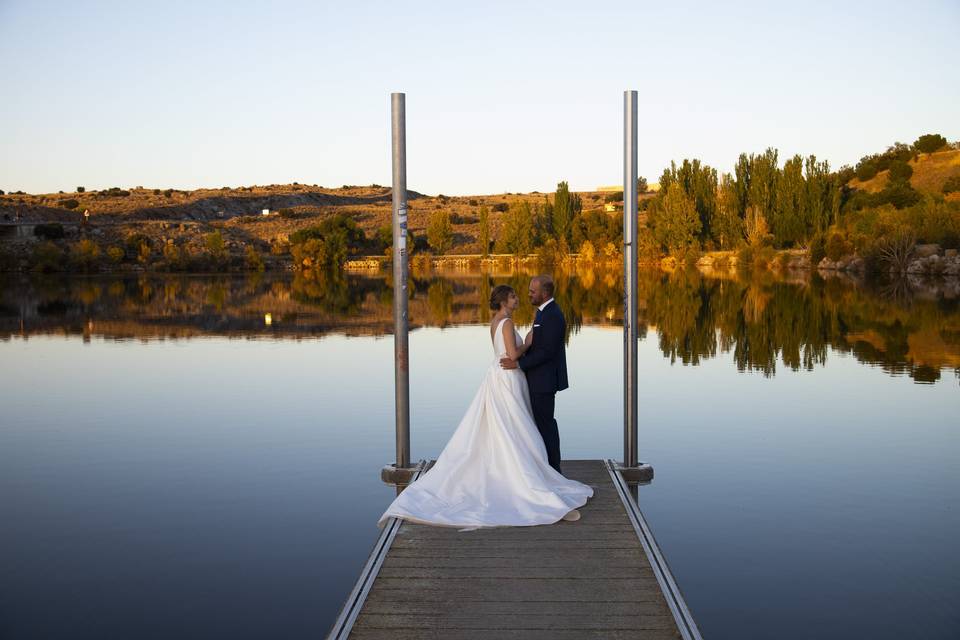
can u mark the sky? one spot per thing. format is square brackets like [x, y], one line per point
[500, 97]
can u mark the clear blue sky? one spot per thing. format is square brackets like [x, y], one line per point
[500, 96]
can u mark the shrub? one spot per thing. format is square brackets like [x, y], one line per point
[253, 259]
[287, 214]
[867, 168]
[81, 189]
[587, 251]
[900, 171]
[85, 254]
[138, 247]
[115, 254]
[837, 246]
[765, 257]
[47, 257]
[892, 254]
[745, 256]
[70, 203]
[500, 206]
[616, 196]
[173, 256]
[930, 142]
[384, 238]
[168, 193]
[8, 261]
[215, 245]
[473, 203]
[2, 192]
[818, 249]
[550, 253]
[310, 254]
[951, 185]
[936, 221]
[329, 242]
[144, 253]
[899, 194]
[157, 192]
[50, 231]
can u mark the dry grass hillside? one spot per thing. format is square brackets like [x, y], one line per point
[930, 171]
[170, 214]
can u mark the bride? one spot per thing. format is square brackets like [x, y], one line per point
[494, 471]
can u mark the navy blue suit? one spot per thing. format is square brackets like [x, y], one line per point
[545, 365]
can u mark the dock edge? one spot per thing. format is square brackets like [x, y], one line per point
[671, 592]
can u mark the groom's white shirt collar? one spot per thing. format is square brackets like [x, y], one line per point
[545, 304]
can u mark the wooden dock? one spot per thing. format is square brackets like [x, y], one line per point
[600, 577]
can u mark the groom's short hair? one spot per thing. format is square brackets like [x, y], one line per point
[546, 285]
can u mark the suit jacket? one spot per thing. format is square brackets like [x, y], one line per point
[545, 362]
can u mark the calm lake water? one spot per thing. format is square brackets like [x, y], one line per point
[198, 457]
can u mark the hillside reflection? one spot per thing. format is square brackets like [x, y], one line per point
[765, 322]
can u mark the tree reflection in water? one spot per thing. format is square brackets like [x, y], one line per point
[762, 320]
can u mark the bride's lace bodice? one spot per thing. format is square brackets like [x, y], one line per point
[499, 347]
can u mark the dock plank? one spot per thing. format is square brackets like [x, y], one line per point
[585, 579]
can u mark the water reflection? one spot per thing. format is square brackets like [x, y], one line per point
[764, 321]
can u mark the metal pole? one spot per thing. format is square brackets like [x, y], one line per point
[400, 271]
[630, 279]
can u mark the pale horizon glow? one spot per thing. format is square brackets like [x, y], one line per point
[501, 97]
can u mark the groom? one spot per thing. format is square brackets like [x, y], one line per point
[545, 364]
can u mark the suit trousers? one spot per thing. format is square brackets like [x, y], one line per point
[543, 405]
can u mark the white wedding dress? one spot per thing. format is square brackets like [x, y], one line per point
[494, 470]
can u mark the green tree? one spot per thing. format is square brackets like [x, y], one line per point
[215, 246]
[820, 194]
[566, 206]
[484, 231]
[676, 224]
[788, 220]
[517, 235]
[598, 228]
[727, 224]
[699, 183]
[930, 142]
[900, 171]
[384, 238]
[764, 179]
[742, 184]
[440, 231]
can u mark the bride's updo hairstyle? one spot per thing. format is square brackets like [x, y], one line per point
[499, 295]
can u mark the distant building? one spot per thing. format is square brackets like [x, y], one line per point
[651, 186]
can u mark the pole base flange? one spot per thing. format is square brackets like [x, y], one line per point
[642, 473]
[392, 474]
